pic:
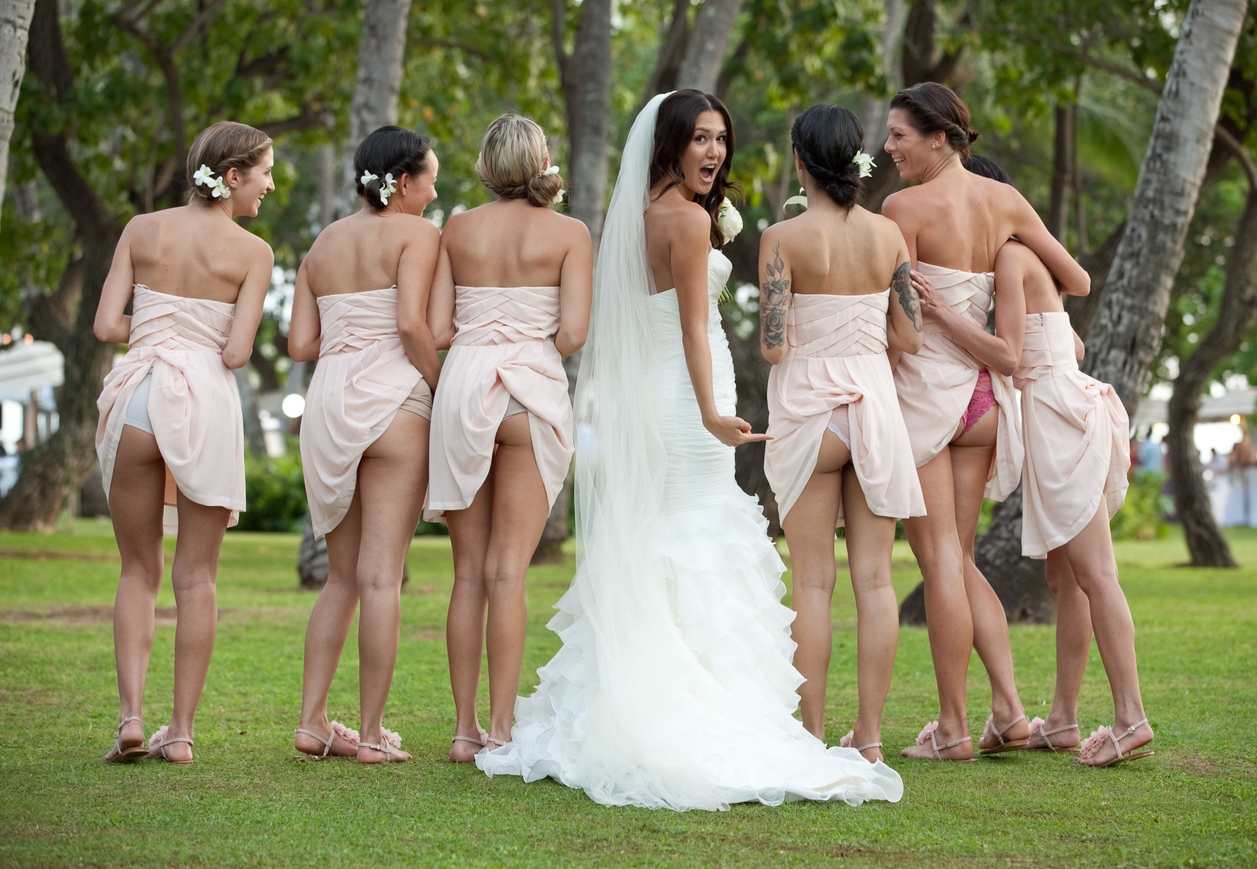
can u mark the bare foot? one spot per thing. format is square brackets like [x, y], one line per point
[344, 742]
[465, 748]
[1099, 750]
[997, 737]
[933, 745]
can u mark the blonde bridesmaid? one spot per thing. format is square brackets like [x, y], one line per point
[1073, 481]
[511, 299]
[958, 401]
[171, 437]
[360, 308]
[839, 452]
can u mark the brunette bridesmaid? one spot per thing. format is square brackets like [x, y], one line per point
[361, 309]
[171, 437]
[958, 401]
[511, 298]
[839, 452]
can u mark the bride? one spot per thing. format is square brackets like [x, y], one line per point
[673, 688]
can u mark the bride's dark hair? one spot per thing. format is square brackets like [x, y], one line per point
[674, 128]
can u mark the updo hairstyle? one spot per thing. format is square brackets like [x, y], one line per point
[674, 128]
[223, 146]
[512, 154]
[826, 139]
[389, 150]
[934, 108]
[986, 168]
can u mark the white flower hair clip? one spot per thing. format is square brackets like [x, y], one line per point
[729, 221]
[553, 170]
[558, 197]
[204, 177]
[800, 201]
[367, 178]
[387, 188]
[865, 162]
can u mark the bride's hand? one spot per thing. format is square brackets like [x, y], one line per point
[732, 431]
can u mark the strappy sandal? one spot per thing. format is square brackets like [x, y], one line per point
[338, 729]
[389, 744]
[493, 744]
[928, 733]
[130, 754]
[1004, 744]
[481, 741]
[158, 742]
[1096, 740]
[1036, 730]
[846, 742]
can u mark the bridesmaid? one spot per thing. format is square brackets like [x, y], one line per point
[171, 436]
[360, 309]
[958, 400]
[511, 298]
[1073, 481]
[839, 451]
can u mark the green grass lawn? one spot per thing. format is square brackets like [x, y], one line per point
[246, 802]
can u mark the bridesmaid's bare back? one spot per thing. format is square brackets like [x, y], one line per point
[192, 252]
[958, 220]
[511, 243]
[839, 254]
[364, 251]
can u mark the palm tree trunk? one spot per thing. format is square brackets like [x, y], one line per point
[15, 23]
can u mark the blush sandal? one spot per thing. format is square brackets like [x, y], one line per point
[846, 742]
[389, 745]
[338, 729]
[1004, 744]
[131, 753]
[1096, 740]
[1037, 732]
[158, 742]
[928, 733]
[480, 742]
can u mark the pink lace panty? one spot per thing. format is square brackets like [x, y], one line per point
[982, 400]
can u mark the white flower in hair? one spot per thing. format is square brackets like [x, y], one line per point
[203, 177]
[387, 188]
[865, 162]
[367, 178]
[220, 189]
[728, 220]
[800, 200]
[558, 197]
[553, 170]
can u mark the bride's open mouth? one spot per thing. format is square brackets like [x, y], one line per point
[707, 173]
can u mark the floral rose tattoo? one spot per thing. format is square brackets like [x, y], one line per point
[908, 299]
[772, 302]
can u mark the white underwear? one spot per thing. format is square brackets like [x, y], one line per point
[137, 410]
[840, 424]
[513, 407]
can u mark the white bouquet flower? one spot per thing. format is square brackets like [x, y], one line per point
[729, 221]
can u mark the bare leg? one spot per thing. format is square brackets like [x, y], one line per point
[135, 503]
[936, 544]
[870, 539]
[392, 479]
[326, 633]
[519, 517]
[1073, 644]
[1091, 557]
[193, 576]
[464, 626]
[971, 456]
[809, 528]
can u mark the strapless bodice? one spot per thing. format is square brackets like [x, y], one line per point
[967, 293]
[177, 323]
[825, 326]
[1049, 346]
[505, 315]
[352, 322]
[666, 307]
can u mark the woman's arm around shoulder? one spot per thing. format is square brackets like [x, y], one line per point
[415, 271]
[576, 288]
[1029, 229]
[774, 295]
[244, 325]
[441, 296]
[112, 324]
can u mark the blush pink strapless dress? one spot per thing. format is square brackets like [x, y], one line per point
[194, 406]
[503, 348]
[362, 378]
[935, 384]
[1076, 431]
[837, 356]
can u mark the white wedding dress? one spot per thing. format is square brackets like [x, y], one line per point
[674, 686]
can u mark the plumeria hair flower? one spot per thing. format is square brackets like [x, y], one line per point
[387, 188]
[553, 170]
[865, 162]
[367, 178]
[204, 177]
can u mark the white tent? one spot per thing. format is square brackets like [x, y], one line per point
[28, 366]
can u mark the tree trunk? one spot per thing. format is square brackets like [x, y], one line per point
[15, 23]
[705, 50]
[1127, 331]
[58, 467]
[873, 107]
[671, 55]
[1236, 315]
[1063, 151]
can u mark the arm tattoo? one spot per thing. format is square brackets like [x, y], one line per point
[772, 302]
[908, 299]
